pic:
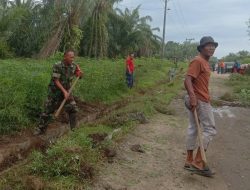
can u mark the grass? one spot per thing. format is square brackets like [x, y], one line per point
[23, 85]
[68, 164]
[241, 88]
[63, 165]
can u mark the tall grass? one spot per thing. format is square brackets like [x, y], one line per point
[241, 87]
[23, 88]
[23, 85]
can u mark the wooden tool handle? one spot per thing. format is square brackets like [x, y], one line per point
[64, 101]
[203, 155]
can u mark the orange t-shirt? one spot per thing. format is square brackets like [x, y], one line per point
[222, 64]
[199, 69]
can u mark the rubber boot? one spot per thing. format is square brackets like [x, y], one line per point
[72, 120]
[44, 121]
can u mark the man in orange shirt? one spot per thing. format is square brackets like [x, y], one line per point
[222, 66]
[196, 84]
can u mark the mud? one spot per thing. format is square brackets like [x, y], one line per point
[109, 153]
[97, 138]
[120, 119]
[34, 183]
[137, 148]
[86, 171]
[16, 147]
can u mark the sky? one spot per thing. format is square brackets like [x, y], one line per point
[224, 20]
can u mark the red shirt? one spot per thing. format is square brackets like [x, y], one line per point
[130, 64]
[199, 69]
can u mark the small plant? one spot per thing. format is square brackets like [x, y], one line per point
[245, 95]
[240, 84]
[5, 50]
[236, 77]
[228, 97]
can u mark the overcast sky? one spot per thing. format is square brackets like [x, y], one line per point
[225, 20]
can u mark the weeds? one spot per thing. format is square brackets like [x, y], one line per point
[241, 88]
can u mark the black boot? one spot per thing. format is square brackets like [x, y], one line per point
[43, 123]
[72, 120]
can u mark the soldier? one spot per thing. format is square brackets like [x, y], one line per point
[62, 77]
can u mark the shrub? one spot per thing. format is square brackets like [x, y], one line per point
[236, 77]
[5, 50]
[247, 72]
[245, 95]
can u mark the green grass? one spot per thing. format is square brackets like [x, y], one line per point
[241, 87]
[23, 85]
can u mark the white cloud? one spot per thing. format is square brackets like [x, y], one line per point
[225, 20]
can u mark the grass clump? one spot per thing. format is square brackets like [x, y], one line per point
[241, 87]
[72, 162]
[228, 97]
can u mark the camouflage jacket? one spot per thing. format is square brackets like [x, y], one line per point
[65, 74]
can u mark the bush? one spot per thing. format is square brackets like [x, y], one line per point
[5, 50]
[241, 87]
[247, 71]
[237, 77]
[245, 96]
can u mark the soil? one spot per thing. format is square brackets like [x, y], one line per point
[14, 148]
[160, 167]
[97, 138]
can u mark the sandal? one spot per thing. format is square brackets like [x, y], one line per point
[204, 172]
[188, 166]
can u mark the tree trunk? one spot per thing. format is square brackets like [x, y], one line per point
[53, 43]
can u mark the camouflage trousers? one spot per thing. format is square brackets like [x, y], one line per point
[52, 104]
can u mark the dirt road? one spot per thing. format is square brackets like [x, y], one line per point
[160, 167]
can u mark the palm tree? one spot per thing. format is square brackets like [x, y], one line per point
[135, 34]
[68, 16]
[96, 39]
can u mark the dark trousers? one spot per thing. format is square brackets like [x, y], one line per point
[52, 104]
[129, 79]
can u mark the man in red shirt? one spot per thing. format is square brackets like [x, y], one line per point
[196, 84]
[130, 67]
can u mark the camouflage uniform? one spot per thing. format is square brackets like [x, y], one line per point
[65, 74]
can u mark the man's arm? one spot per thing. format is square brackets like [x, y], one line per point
[128, 69]
[59, 85]
[189, 87]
